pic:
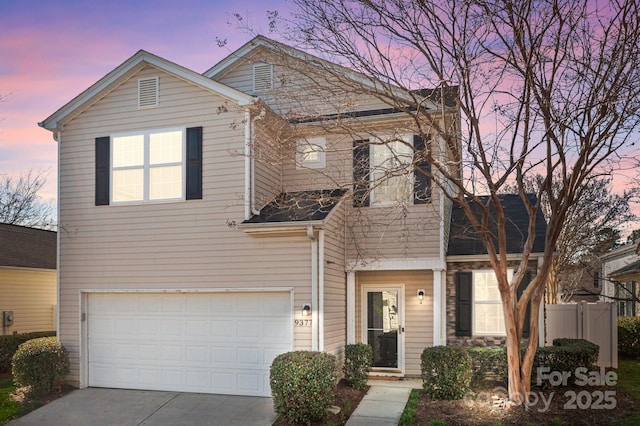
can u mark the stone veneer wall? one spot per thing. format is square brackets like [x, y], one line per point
[469, 341]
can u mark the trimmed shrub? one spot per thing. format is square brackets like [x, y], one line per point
[357, 363]
[629, 336]
[9, 345]
[446, 372]
[566, 355]
[489, 365]
[40, 365]
[302, 385]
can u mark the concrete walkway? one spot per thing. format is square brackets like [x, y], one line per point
[384, 402]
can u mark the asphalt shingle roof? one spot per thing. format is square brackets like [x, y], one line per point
[27, 247]
[299, 206]
[464, 241]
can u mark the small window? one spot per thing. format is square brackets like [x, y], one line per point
[262, 77]
[310, 153]
[148, 92]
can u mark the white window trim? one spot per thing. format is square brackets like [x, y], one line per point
[147, 167]
[474, 332]
[318, 141]
[372, 184]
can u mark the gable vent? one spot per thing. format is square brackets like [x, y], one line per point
[262, 77]
[148, 92]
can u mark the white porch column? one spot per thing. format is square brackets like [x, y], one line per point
[351, 307]
[439, 308]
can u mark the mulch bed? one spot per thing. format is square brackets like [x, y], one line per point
[569, 405]
[346, 398]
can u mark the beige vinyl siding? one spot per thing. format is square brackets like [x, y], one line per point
[172, 245]
[267, 155]
[31, 295]
[418, 318]
[335, 297]
[298, 87]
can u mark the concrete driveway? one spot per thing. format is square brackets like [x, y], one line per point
[98, 407]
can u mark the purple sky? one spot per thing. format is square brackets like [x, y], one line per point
[51, 50]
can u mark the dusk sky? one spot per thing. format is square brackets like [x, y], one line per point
[51, 50]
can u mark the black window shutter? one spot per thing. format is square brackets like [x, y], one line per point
[463, 303]
[103, 163]
[527, 316]
[194, 163]
[361, 173]
[422, 182]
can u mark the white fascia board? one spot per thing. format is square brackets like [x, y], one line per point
[52, 122]
[485, 257]
[398, 264]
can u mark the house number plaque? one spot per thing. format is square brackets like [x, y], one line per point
[302, 323]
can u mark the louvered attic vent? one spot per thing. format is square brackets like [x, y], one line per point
[262, 77]
[148, 92]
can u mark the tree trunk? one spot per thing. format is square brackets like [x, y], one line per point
[551, 295]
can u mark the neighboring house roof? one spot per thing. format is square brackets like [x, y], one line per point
[464, 241]
[630, 272]
[300, 206]
[27, 247]
[124, 71]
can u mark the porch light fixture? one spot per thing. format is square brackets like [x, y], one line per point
[420, 295]
[306, 309]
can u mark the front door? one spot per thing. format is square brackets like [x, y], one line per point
[383, 328]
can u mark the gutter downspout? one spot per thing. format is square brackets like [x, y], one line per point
[247, 164]
[58, 137]
[252, 159]
[321, 290]
[314, 288]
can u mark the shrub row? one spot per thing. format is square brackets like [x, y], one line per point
[9, 345]
[448, 371]
[629, 336]
[40, 366]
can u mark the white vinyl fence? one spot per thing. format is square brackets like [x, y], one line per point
[595, 322]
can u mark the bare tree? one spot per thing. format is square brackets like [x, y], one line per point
[556, 80]
[589, 231]
[20, 203]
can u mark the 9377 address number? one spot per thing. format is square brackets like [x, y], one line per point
[302, 323]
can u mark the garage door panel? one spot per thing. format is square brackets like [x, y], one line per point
[194, 342]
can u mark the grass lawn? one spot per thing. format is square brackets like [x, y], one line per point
[629, 381]
[10, 409]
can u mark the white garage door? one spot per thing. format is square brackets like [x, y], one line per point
[191, 342]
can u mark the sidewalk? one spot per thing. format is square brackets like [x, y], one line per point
[384, 402]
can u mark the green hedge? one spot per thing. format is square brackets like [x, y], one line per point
[629, 336]
[9, 345]
[302, 385]
[40, 365]
[357, 363]
[566, 355]
[446, 372]
[489, 365]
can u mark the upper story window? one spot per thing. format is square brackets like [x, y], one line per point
[310, 153]
[391, 177]
[148, 166]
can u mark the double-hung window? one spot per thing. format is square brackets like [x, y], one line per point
[311, 153]
[148, 166]
[487, 304]
[391, 172]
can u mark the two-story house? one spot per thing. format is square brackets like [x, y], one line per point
[210, 222]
